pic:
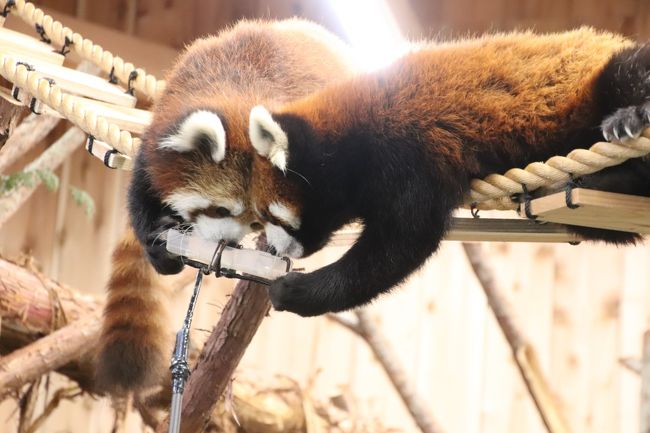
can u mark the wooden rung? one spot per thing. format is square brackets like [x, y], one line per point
[110, 157]
[25, 47]
[486, 230]
[6, 95]
[129, 119]
[82, 84]
[598, 209]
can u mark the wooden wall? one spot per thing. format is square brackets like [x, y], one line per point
[584, 307]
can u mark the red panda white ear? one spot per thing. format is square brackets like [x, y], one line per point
[268, 138]
[198, 126]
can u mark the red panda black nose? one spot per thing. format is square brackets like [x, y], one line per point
[256, 226]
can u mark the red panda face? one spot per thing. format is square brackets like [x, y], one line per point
[203, 179]
[277, 192]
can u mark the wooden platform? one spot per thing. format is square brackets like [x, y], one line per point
[484, 230]
[600, 209]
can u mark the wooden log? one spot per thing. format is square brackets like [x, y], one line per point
[70, 343]
[242, 315]
[50, 159]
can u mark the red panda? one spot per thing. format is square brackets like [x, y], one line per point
[193, 170]
[397, 148]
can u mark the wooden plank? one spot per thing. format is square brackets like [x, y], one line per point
[486, 230]
[129, 119]
[110, 157]
[24, 46]
[80, 83]
[596, 209]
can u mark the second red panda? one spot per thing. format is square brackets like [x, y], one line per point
[397, 149]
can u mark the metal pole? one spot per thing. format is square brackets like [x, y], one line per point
[179, 366]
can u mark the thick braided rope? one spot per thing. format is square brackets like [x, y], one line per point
[495, 190]
[68, 106]
[105, 60]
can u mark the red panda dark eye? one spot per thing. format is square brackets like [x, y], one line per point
[217, 212]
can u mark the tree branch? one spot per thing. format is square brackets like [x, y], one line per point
[524, 354]
[72, 342]
[242, 315]
[385, 354]
[31, 131]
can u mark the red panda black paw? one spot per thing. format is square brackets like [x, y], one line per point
[296, 292]
[626, 123]
[162, 260]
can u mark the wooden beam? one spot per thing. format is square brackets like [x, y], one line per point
[486, 230]
[599, 209]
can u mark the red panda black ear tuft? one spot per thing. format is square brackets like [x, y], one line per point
[268, 138]
[197, 127]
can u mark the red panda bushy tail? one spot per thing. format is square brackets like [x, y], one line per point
[134, 343]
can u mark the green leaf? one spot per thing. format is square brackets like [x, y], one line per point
[83, 199]
[49, 179]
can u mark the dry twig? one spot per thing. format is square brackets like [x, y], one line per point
[525, 358]
[365, 328]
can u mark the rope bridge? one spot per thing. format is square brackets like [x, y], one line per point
[104, 109]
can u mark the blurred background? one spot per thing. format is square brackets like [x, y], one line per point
[584, 308]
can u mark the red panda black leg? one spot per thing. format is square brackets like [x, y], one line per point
[386, 252]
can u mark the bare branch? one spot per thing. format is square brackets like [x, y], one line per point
[352, 325]
[385, 354]
[29, 133]
[524, 354]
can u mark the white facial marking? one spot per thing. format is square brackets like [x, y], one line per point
[285, 214]
[283, 242]
[199, 123]
[217, 229]
[186, 202]
[268, 138]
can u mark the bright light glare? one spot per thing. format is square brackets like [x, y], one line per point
[372, 30]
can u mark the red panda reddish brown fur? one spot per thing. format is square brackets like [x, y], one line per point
[253, 62]
[398, 148]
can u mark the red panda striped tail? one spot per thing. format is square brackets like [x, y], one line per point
[135, 344]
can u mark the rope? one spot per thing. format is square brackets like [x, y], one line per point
[73, 109]
[495, 191]
[105, 60]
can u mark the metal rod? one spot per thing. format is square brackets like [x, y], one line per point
[179, 366]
